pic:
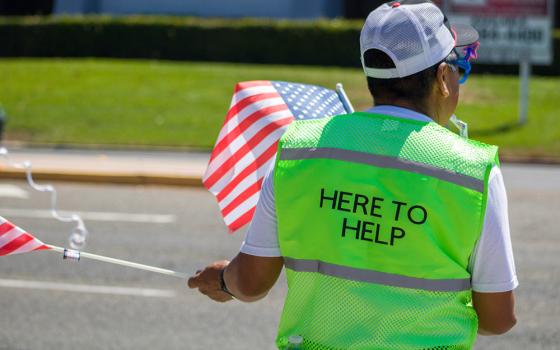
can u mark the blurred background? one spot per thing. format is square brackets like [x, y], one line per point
[126, 78]
[161, 73]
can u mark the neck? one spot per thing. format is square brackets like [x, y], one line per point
[430, 112]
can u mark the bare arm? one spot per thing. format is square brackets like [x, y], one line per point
[248, 277]
[495, 312]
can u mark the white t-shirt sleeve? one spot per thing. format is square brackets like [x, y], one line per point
[492, 265]
[262, 238]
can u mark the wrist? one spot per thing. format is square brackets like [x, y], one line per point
[223, 285]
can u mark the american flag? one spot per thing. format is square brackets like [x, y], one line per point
[14, 240]
[259, 113]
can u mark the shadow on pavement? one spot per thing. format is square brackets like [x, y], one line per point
[497, 129]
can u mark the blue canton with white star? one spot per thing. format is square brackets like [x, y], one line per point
[309, 101]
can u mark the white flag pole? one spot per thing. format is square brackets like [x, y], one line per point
[344, 98]
[524, 77]
[77, 255]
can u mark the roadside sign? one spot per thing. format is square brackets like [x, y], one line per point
[510, 30]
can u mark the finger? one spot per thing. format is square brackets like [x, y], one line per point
[204, 290]
[193, 282]
[219, 296]
[223, 299]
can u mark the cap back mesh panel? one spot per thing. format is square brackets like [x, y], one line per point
[414, 36]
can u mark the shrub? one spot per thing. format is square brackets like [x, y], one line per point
[321, 42]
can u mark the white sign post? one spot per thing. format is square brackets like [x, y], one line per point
[511, 32]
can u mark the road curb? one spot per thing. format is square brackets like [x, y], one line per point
[114, 178]
[540, 160]
[174, 180]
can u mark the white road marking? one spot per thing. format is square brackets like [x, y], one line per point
[12, 191]
[84, 288]
[91, 215]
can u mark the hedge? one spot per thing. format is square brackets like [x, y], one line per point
[251, 41]
[322, 42]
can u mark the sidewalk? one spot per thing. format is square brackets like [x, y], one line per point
[174, 168]
[109, 166]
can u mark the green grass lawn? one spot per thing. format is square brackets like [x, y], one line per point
[150, 103]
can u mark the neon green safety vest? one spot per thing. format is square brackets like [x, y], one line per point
[377, 219]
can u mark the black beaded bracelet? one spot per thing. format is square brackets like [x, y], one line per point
[223, 286]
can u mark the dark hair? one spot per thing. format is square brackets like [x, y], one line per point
[416, 87]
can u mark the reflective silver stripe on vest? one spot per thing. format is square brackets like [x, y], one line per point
[370, 276]
[383, 162]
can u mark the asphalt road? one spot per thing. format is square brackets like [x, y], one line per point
[48, 303]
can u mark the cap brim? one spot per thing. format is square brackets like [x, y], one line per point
[464, 34]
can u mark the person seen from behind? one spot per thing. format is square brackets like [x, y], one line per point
[393, 230]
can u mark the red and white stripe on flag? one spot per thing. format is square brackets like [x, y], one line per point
[245, 149]
[14, 240]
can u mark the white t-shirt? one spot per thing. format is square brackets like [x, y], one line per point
[491, 265]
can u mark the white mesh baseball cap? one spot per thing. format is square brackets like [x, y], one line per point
[414, 34]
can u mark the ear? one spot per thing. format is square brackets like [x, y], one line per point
[442, 79]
